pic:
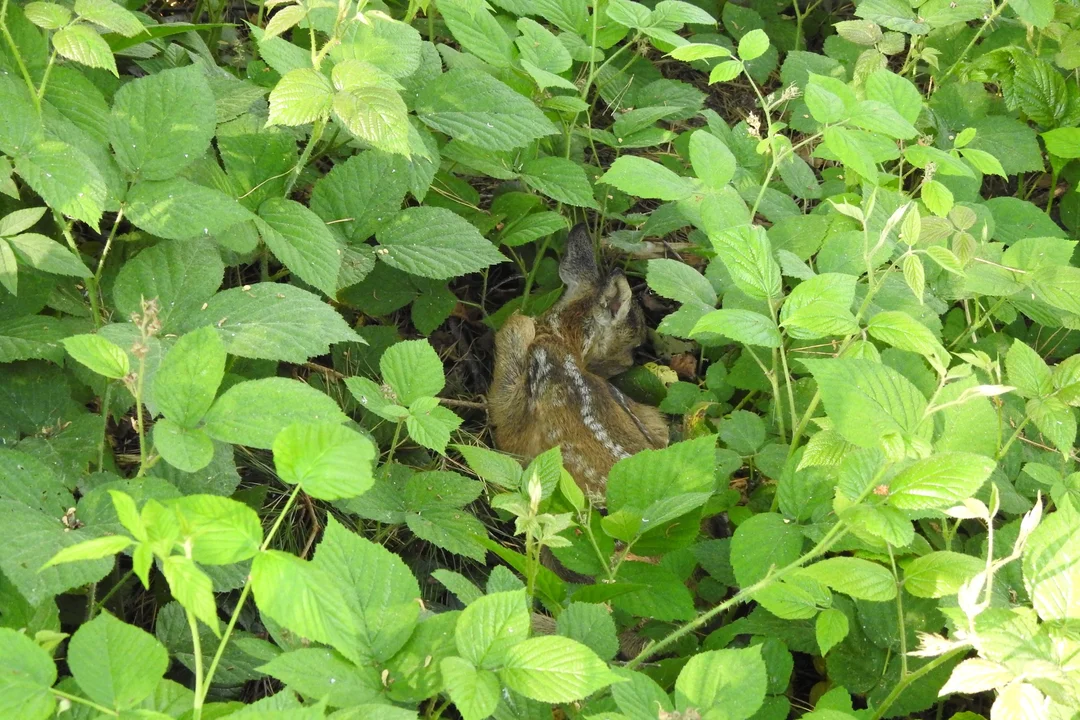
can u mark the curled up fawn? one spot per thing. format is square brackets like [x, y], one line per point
[551, 387]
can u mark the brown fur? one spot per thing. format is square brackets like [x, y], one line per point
[550, 385]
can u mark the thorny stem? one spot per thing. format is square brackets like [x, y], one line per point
[836, 532]
[975, 38]
[743, 595]
[906, 680]
[141, 380]
[200, 698]
[18, 57]
[316, 133]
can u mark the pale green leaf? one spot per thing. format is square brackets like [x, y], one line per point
[330, 461]
[253, 412]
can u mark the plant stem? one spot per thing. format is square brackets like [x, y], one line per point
[906, 680]
[45, 77]
[105, 430]
[18, 57]
[197, 645]
[83, 701]
[316, 133]
[982, 28]
[834, 534]
[108, 245]
[243, 597]
[140, 385]
[1012, 439]
[112, 591]
[900, 613]
[394, 442]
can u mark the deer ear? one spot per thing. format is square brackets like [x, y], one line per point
[578, 266]
[616, 298]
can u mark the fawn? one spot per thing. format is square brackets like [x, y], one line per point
[550, 383]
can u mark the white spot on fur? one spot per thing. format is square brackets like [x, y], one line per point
[588, 417]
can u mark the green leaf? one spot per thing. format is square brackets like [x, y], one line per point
[9, 269]
[47, 15]
[490, 626]
[319, 673]
[747, 255]
[940, 573]
[189, 375]
[180, 275]
[475, 692]
[430, 424]
[110, 16]
[219, 530]
[906, 333]
[725, 71]
[1051, 566]
[42, 536]
[745, 326]
[680, 282]
[644, 178]
[162, 123]
[554, 669]
[193, 589]
[178, 209]
[98, 354]
[560, 179]
[722, 683]
[47, 255]
[376, 115]
[434, 242]
[849, 146]
[117, 665]
[84, 45]
[868, 401]
[303, 598]
[1027, 371]
[478, 31]
[753, 45]
[491, 466]
[95, 549]
[20, 220]
[861, 579]
[699, 51]
[713, 162]
[937, 197]
[32, 337]
[591, 625]
[1058, 286]
[939, 481]
[541, 48]
[381, 595]
[187, 449]
[1055, 420]
[27, 674]
[1063, 142]
[880, 118]
[302, 242]
[1034, 12]
[275, 321]
[331, 461]
[253, 412]
[359, 194]
[413, 369]
[830, 628]
[763, 543]
[300, 97]
[651, 476]
[477, 108]
[65, 178]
